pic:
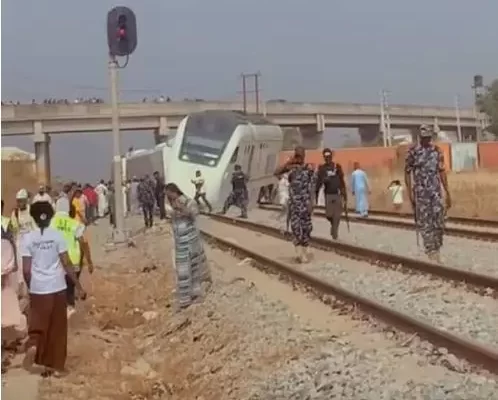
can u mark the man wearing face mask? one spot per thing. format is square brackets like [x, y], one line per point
[425, 179]
[330, 175]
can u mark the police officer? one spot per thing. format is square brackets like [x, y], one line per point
[301, 186]
[239, 195]
[330, 175]
[427, 185]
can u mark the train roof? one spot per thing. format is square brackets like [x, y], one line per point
[233, 118]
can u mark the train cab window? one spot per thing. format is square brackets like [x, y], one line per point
[234, 156]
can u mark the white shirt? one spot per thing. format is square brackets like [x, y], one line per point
[396, 194]
[283, 190]
[200, 185]
[47, 273]
[62, 204]
[42, 197]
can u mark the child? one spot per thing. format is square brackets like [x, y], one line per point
[396, 194]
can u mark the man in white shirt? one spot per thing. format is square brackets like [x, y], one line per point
[62, 203]
[200, 190]
[42, 195]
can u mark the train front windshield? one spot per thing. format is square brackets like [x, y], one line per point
[205, 137]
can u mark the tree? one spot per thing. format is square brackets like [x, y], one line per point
[488, 104]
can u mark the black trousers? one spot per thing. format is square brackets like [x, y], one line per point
[202, 196]
[160, 204]
[148, 210]
[71, 290]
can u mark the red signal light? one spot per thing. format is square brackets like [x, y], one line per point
[121, 33]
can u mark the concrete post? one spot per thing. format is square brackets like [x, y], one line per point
[161, 134]
[320, 122]
[42, 154]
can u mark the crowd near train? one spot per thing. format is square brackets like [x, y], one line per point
[217, 159]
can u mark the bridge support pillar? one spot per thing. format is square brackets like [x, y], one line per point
[370, 135]
[42, 154]
[161, 134]
[311, 138]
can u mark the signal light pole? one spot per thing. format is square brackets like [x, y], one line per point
[122, 41]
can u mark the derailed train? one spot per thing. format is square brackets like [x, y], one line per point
[213, 142]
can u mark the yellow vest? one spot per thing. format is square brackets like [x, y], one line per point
[68, 227]
[6, 223]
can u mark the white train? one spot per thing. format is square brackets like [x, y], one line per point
[213, 142]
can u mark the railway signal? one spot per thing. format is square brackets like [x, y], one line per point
[121, 31]
[122, 41]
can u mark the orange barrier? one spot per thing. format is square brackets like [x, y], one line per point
[368, 157]
[488, 155]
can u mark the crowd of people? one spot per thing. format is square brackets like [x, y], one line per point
[45, 244]
[78, 100]
[425, 181]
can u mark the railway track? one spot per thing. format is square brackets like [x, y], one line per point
[395, 221]
[260, 242]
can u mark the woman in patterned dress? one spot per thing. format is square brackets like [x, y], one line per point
[190, 259]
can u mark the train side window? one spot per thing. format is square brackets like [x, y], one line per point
[234, 156]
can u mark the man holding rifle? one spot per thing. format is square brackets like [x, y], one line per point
[330, 175]
[425, 179]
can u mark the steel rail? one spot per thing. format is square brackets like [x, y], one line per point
[375, 256]
[449, 230]
[475, 352]
[481, 222]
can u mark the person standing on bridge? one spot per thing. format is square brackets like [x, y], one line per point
[239, 194]
[190, 260]
[425, 177]
[330, 175]
[360, 189]
[302, 180]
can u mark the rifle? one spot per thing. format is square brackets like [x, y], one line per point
[346, 215]
[415, 214]
[287, 222]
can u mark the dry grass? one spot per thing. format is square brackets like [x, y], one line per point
[474, 194]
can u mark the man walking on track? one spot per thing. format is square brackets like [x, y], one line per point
[239, 195]
[330, 175]
[301, 186]
[425, 165]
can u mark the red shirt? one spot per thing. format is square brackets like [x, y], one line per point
[91, 196]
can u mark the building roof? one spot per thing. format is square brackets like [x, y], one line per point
[14, 153]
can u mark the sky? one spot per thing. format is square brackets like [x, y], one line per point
[423, 52]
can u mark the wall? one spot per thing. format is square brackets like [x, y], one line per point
[368, 157]
[464, 157]
[488, 155]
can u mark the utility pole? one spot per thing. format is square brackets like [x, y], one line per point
[478, 88]
[255, 77]
[457, 114]
[122, 41]
[244, 93]
[385, 119]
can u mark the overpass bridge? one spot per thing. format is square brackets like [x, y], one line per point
[43, 120]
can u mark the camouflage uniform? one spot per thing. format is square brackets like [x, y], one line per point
[238, 196]
[426, 163]
[302, 181]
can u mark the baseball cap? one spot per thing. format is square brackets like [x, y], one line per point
[22, 194]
